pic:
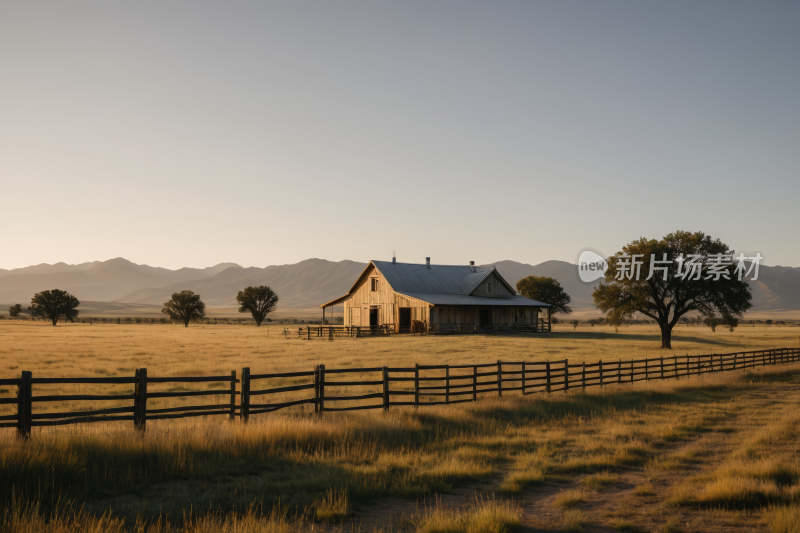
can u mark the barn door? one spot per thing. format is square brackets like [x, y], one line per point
[355, 316]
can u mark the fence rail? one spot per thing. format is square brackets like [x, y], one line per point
[333, 390]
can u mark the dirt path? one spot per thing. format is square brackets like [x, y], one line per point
[639, 500]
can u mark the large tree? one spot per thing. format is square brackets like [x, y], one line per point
[682, 273]
[258, 301]
[53, 305]
[546, 290]
[185, 306]
[15, 310]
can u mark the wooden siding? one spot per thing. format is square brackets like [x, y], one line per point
[499, 290]
[385, 299]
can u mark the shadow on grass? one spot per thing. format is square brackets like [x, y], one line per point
[656, 337]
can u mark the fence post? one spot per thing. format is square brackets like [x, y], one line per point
[140, 400]
[316, 389]
[24, 409]
[385, 388]
[583, 375]
[566, 375]
[601, 372]
[136, 408]
[547, 369]
[416, 385]
[475, 383]
[447, 384]
[646, 369]
[321, 389]
[631, 365]
[233, 395]
[619, 370]
[735, 356]
[662, 367]
[245, 403]
[523, 378]
[499, 379]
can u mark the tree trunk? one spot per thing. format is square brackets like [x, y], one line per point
[55, 321]
[666, 337]
[186, 323]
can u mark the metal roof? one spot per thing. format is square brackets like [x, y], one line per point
[465, 299]
[411, 277]
[453, 280]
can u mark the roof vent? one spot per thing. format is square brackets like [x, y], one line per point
[472, 266]
[519, 293]
[394, 258]
[428, 262]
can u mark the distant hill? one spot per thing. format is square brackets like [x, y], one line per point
[303, 285]
[98, 281]
[45, 268]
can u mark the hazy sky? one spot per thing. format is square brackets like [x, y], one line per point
[191, 133]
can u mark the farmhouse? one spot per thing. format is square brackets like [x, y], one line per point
[439, 299]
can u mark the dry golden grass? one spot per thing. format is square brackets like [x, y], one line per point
[574, 520]
[785, 519]
[717, 443]
[167, 350]
[570, 498]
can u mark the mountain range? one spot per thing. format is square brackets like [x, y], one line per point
[302, 285]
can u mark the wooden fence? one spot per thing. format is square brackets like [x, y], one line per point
[416, 386]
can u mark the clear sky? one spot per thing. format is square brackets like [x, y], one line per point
[192, 133]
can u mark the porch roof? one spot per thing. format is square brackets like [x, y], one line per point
[465, 299]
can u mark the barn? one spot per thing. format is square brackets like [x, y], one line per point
[440, 298]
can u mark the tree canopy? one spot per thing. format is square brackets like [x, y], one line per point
[675, 286]
[15, 310]
[546, 290]
[185, 306]
[53, 305]
[258, 301]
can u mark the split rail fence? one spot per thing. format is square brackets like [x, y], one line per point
[417, 385]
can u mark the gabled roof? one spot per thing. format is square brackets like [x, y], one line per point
[471, 281]
[413, 278]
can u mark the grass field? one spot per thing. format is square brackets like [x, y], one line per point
[713, 453]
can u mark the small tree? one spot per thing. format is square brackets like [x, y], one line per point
[53, 305]
[712, 322]
[15, 310]
[546, 290]
[258, 301]
[185, 306]
[575, 325]
[554, 320]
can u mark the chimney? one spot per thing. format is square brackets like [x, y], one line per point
[472, 266]
[394, 258]
[519, 293]
[428, 262]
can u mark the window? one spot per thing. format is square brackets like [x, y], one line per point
[374, 284]
[489, 287]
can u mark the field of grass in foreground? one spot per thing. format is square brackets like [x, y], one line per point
[715, 453]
